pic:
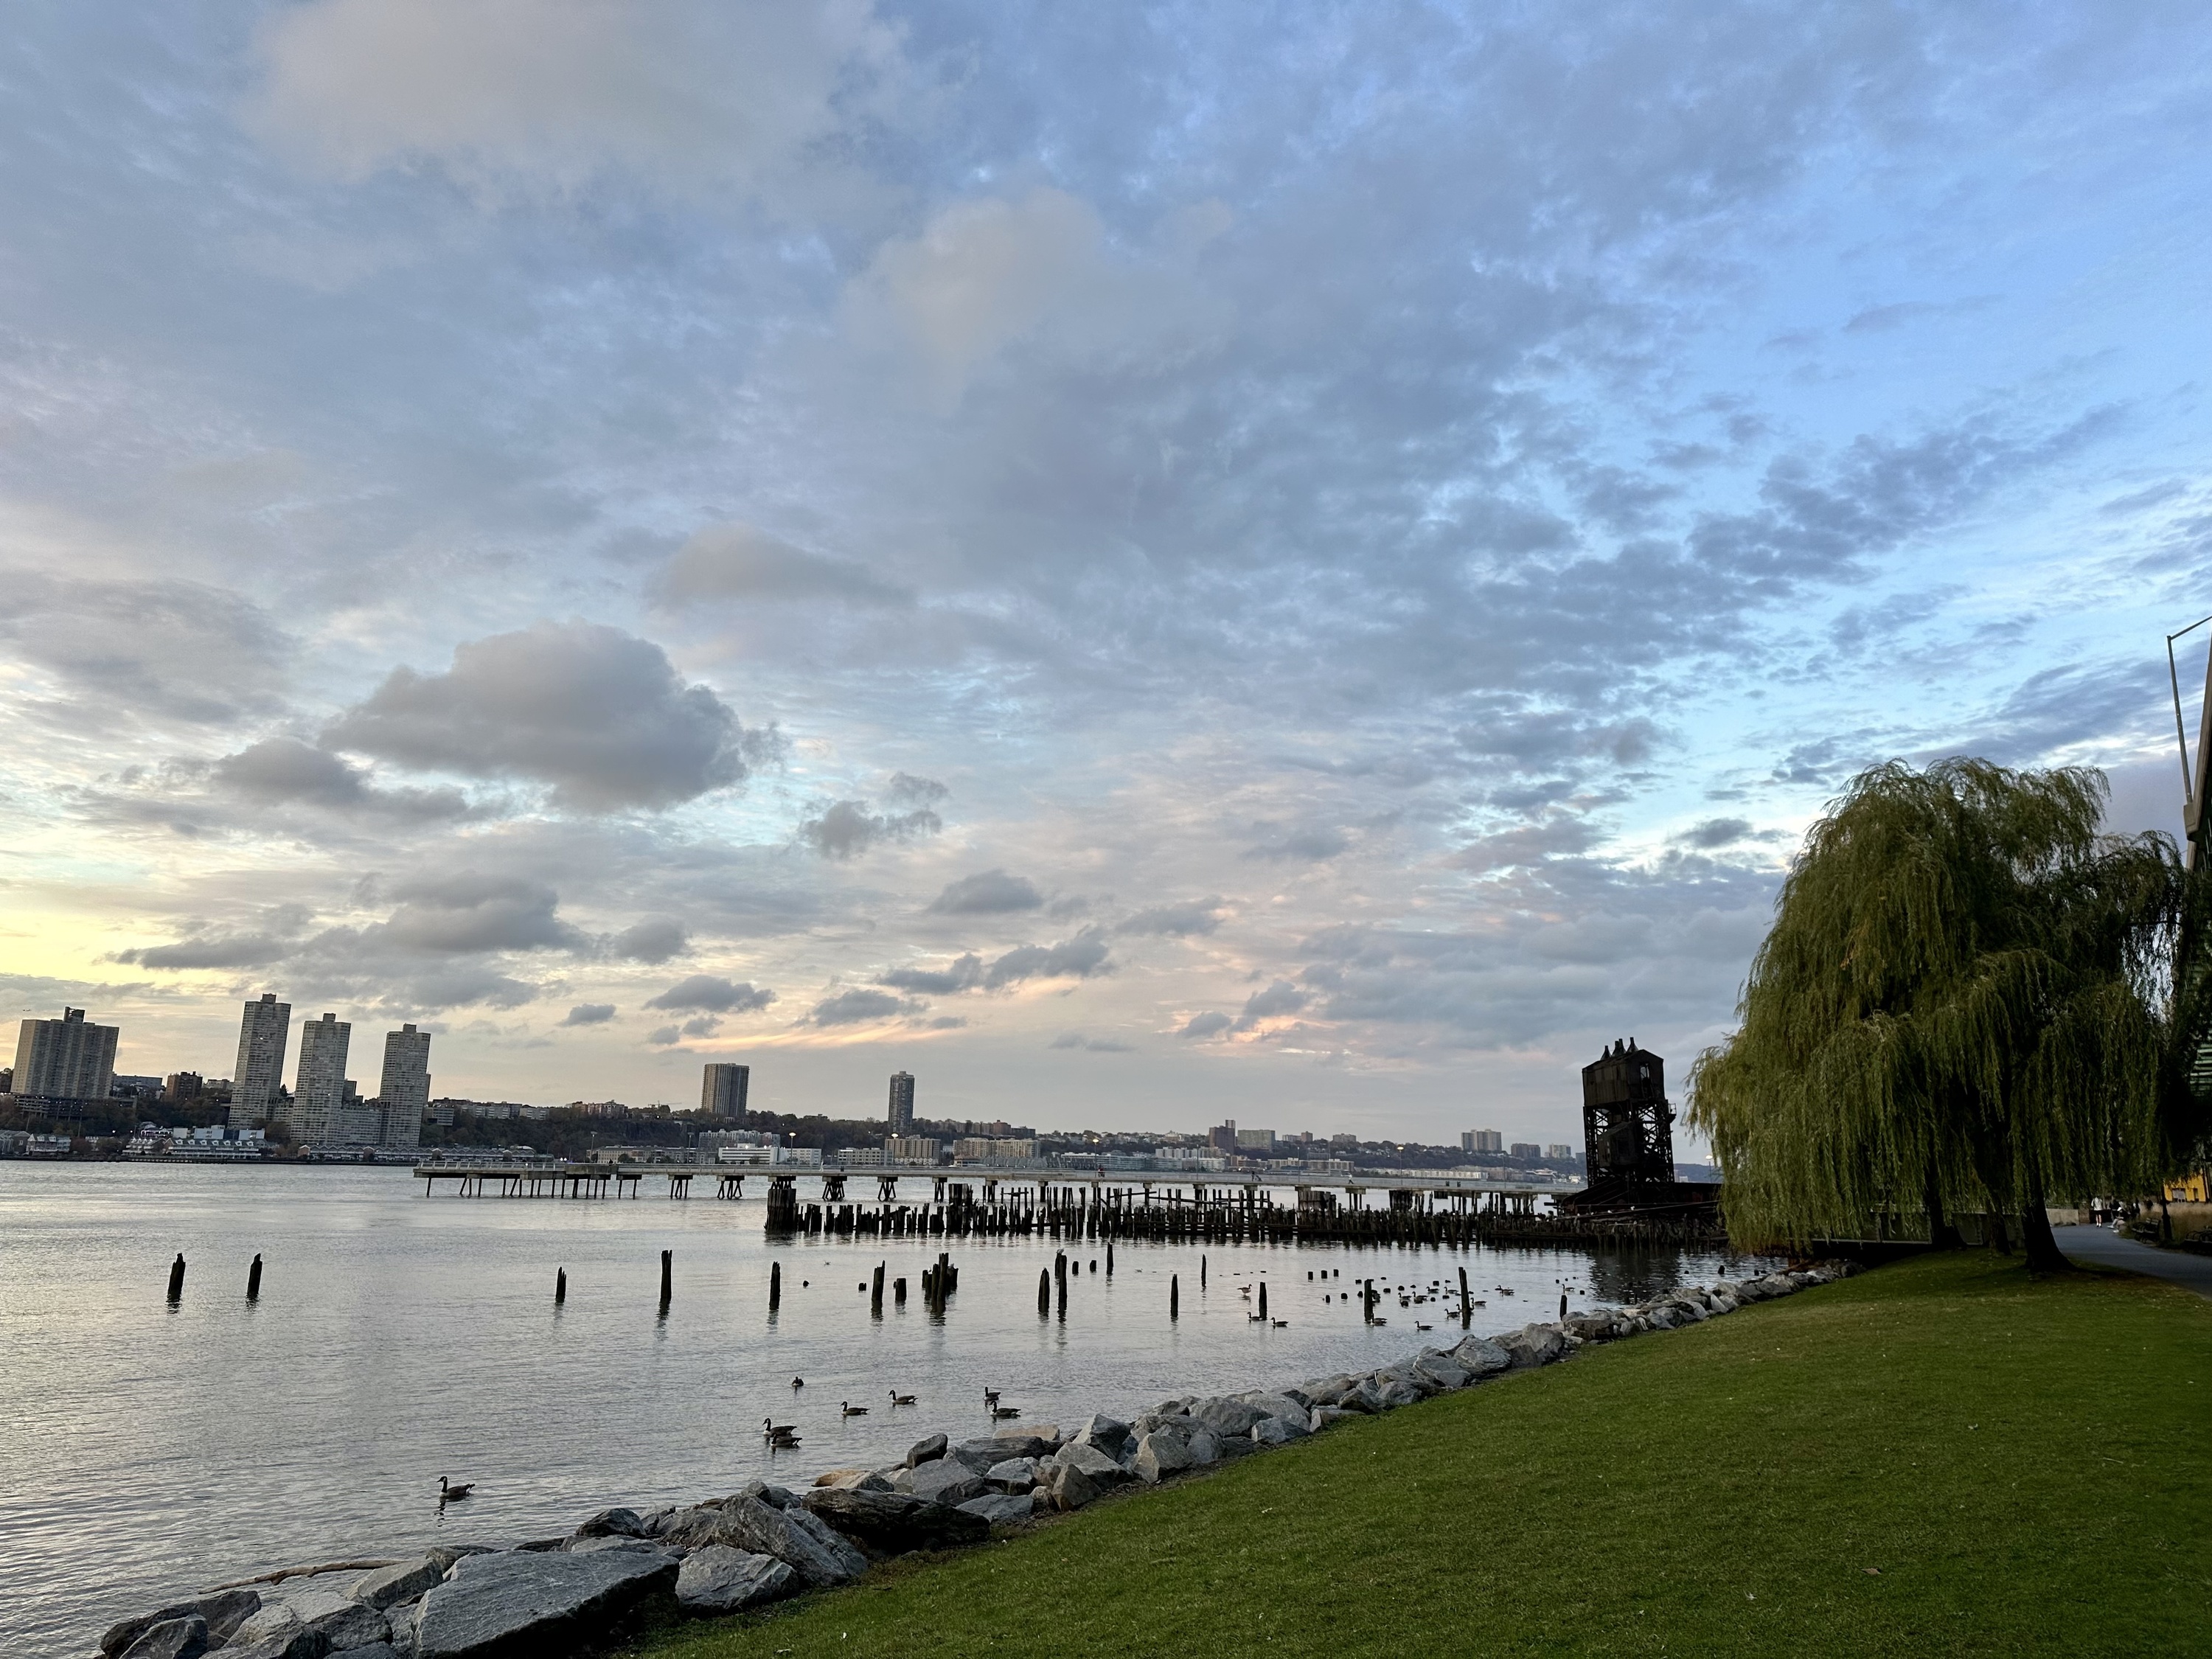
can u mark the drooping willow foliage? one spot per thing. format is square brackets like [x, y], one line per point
[1968, 1001]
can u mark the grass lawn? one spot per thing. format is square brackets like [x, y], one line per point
[1941, 1457]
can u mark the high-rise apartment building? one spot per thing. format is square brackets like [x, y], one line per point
[1256, 1140]
[722, 1092]
[1525, 1149]
[1482, 1140]
[902, 1113]
[318, 1091]
[65, 1059]
[260, 1070]
[1559, 1152]
[405, 1088]
[1221, 1137]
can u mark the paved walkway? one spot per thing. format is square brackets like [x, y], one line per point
[2109, 1249]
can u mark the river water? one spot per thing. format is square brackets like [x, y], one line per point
[147, 1449]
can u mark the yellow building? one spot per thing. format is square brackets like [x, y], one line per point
[2190, 1188]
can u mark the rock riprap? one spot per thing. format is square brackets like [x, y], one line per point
[554, 1597]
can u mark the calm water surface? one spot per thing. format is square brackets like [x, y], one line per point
[146, 1450]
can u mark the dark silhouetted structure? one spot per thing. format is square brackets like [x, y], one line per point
[1628, 1127]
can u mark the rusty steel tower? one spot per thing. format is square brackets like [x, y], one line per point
[1628, 1127]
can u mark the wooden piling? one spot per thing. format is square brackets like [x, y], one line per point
[775, 1285]
[1263, 1299]
[253, 1280]
[1174, 1295]
[1465, 1307]
[1201, 1273]
[1109, 1258]
[876, 1291]
[176, 1278]
[667, 1278]
[559, 1286]
[898, 1292]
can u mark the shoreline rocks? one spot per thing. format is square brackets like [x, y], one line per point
[551, 1597]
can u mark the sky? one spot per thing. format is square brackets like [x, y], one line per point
[1304, 563]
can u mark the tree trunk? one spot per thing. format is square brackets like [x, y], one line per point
[2044, 1255]
[1943, 1234]
[2000, 1236]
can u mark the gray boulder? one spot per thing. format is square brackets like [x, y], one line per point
[1329, 1390]
[1015, 1474]
[1534, 1344]
[1095, 1463]
[1011, 1445]
[999, 1508]
[222, 1611]
[1048, 1432]
[402, 1581]
[694, 1529]
[1363, 1397]
[1327, 1416]
[1205, 1446]
[1274, 1431]
[374, 1651]
[1286, 1407]
[1480, 1356]
[1107, 1434]
[1395, 1391]
[614, 1523]
[520, 1604]
[1159, 1455]
[768, 1491]
[444, 1555]
[720, 1579]
[635, 1545]
[276, 1632]
[926, 1451]
[1227, 1417]
[173, 1638]
[892, 1523]
[1442, 1370]
[948, 1480]
[340, 1620]
[1589, 1327]
[808, 1544]
[1071, 1487]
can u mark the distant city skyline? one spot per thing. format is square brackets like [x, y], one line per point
[1120, 570]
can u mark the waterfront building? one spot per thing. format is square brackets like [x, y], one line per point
[722, 1092]
[901, 1112]
[1559, 1152]
[1222, 1138]
[1256, 1140]
[405, 1088]
[1526, 1149]
[69, 1058]
[262, 1035]
[1482, 1140]
[318, 1090]
[911, 1149]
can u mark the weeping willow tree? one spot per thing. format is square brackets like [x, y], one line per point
[1968, 1001]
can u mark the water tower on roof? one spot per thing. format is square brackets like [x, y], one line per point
[1628, 1127]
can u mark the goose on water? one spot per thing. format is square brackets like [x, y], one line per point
[797, 1383]
[898, 1398]
[851, 1410]
[449, 1493]
[990, 1398]
[1005, 1413]
[778, 1434]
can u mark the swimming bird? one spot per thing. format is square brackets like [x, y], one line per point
[851, 1410]
[450, 1493]
[990, 1398]
[1005, 1412]
[797, 1383]
[1419, 1327]
[1280, 1323]
[898, 1398]
[778, 1434]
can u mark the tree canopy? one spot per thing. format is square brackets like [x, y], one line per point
[1968, 1001]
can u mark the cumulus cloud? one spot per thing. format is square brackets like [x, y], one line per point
[1205, 1025]
[964, 974]
[589, 1013]
[551, 94]
[1080, 958]
[284, 771]
[1092, 1045]
[1713, 833]
[738, 562]
[471, 911]
[1178, 920]
[599, 715]
[1279, 999]
[846, 829]
[654, 940]
[993, 892]
[712, 993]
[861, 1006]
[211, 950]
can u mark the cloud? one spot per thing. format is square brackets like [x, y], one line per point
[1205, 1025]
[1095, 1045]
[736, 561]
[702, 1025]
[473, 911]
[1279, 999]
[211, 950]
[1080, 958]
[1715, 833]
[552, 94]
[589, 1013]
[1181, 920]
[846, 829]
[1312, 844]
[993, 892]
[654, 940]
[714, 994]
[861, 1006]
[660, 1036]
[908, 790]
[964, 974]
[284, 771]
[599, 715]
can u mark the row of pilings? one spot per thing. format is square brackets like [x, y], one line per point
[1233, 1215]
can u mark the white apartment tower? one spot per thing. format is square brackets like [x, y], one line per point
[405, 1089]
[318, 1091]
[260, 1068]
[65, 1059]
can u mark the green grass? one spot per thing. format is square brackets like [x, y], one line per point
[2025, 1465]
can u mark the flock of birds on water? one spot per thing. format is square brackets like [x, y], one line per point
[784, 1436]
